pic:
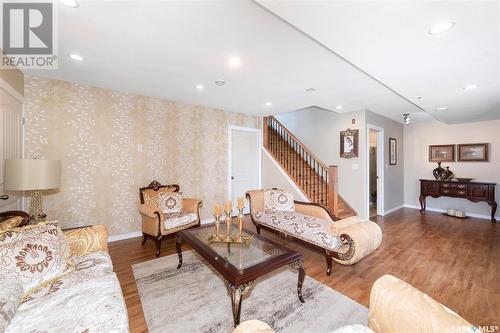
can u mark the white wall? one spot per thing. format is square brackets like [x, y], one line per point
[320, 130]
[418, 137]
[274, 176]
[393, 174]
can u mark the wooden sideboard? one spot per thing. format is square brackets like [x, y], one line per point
[472, 191]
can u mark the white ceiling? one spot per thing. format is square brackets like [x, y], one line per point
[164, 49]
[389, 40]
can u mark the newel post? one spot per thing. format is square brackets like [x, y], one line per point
[332, 201]
[265, 133]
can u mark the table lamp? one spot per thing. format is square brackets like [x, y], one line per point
[32, 175]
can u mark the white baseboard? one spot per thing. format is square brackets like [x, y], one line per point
[287, 177]
[393, 209]
[439, 210]
[135, 234]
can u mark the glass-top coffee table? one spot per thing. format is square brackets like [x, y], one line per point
[241, 264]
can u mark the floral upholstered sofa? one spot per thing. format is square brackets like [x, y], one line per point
[55, 281]
[346, 241]
[395, 307]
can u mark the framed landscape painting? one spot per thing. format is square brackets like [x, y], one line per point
[473, 152]
[392, 151]
[442, 153]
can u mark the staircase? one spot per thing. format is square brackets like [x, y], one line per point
[317, 181]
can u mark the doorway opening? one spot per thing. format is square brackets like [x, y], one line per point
[244, 163]
[375, 148]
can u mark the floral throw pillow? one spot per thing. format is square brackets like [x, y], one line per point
[34, 256]
[170, 202]
[278, 201]
[10, 298]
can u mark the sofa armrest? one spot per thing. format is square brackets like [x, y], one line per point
[191, 205]
[87, 239]
[313, 209]
[253, 326]
[256, 201]
[396, 306]
[363, 238]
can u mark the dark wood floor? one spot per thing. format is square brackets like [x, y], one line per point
[457, 262]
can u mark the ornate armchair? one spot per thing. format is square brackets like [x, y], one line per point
[157, 224]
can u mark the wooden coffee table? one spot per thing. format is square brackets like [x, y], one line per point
[241, 264]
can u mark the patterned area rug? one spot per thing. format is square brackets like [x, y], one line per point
[194, 299]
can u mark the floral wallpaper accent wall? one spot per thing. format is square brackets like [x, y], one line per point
[96, 133]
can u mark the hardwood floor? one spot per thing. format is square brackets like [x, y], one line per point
[456, 262]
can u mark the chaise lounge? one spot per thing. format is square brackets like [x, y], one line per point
[346, 241]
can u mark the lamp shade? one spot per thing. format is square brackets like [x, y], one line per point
[31, 174]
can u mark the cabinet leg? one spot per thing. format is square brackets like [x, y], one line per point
[421, 199]
[493, 206]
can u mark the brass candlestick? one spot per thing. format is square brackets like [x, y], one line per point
[228, 223]
[217, 227]
[240, 224]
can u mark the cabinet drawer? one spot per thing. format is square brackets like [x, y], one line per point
[479, 192]
[454, 192]
[430, 188]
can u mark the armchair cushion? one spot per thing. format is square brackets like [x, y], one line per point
[176, 220]
[151, 196]
[279, 201]
[170, 202]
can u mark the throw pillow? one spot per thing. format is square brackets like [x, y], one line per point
[34, 255]
[170, 202]
[10, 223]
[10, 298]
[279, 201]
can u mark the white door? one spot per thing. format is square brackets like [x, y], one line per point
[11, 144]
[244, 159]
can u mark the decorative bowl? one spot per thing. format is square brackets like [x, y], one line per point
[464, 179]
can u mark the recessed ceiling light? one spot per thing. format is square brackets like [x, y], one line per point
[309, 90]
[419, 97]
[441, 27]
[199, 87]
[69, 3]
[220, 82]
[76, 57]
[268, 104]
[234, 61]
[338, 107]
[471, 87]
[442, 108]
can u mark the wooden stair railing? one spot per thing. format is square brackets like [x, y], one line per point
[317, 181]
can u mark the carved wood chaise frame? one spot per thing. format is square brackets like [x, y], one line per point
[156, 186]
[344, 238]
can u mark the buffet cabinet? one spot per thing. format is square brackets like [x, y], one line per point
[470, 190]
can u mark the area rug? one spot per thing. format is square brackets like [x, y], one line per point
[195, 299]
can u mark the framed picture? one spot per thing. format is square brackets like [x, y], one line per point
[442, 153]
[473, 152]
[392, 151]
[349, 143]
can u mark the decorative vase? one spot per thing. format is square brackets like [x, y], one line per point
[447, 174]
[438, 172]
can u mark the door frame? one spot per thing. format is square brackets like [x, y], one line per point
[5, 87]
[232, 128]
[380, 169]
